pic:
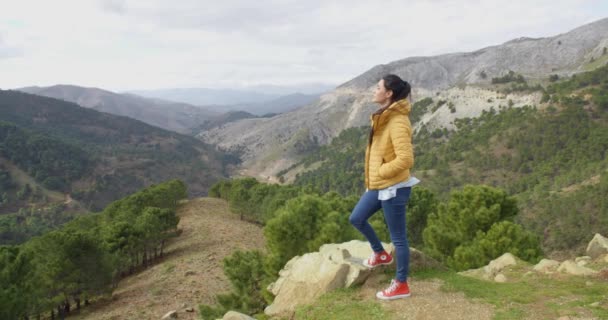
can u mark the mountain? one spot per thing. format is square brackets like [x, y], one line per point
[550, 156]
[282, 104]
[467, 83]
[173, 116]
[226, 97]
[97, 157]
[258, 100]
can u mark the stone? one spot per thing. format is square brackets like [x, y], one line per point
[572, 268]
[582, 261]
[546, 266]
[597, 246]
[170, 315]
[500, 278]
[190, 309]
[233, 315]
[498, 264]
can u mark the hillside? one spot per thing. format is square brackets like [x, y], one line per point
[464, 80]
[552, 157]
[90, 156]
[190, 273]
[173, 116]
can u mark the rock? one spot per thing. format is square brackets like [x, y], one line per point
[597, 246]
[595, 304]
[582, 261]
[572, 268]
[233, 315]
[170, 315]
[190, 309]
[546, 266]
[493, 268]
[305, 278]
[496, 265]
[500, 278]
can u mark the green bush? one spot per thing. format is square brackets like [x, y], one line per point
[468, 212]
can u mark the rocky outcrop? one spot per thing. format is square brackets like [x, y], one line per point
[305, 278]
[597, 246]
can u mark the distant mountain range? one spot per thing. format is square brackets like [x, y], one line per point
[174, 116]
[258, 100]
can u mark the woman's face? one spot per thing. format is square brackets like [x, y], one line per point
[381, 95]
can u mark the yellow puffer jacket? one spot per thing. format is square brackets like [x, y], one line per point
[389, 155]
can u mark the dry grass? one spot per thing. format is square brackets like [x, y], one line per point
[191, 272]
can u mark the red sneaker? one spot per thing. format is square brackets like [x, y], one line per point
[377, 259]
[396, 290]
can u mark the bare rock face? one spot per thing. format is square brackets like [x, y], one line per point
[305, 278]
[272, 144]
[597, 246]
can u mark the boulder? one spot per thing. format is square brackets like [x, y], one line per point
[495, 266]
[546, 266]
[305, 278]
[233, 315]
[597, 246]
[572, 268]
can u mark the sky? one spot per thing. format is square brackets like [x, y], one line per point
[124, 45]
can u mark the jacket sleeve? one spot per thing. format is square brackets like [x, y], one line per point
[400, 132]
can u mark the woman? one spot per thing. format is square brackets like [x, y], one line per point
[388, 159]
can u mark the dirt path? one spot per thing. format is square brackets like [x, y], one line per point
[191, 273]
[427, 301]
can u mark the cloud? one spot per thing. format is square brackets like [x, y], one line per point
[128, 44]
[113, 6]
[7, 51]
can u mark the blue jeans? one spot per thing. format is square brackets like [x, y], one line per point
[394, 215]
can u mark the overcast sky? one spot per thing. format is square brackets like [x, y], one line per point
[124, 44]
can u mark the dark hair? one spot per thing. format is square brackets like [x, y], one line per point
[401, 89]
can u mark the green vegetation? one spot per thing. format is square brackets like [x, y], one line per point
[61, 148]
[509, 77]
[87, 256]
[342, 304]
[51, 162]
[475, 227]
[533, 296]
[419, 109]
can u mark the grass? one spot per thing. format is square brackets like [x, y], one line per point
[531, 296]
[341, 304]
